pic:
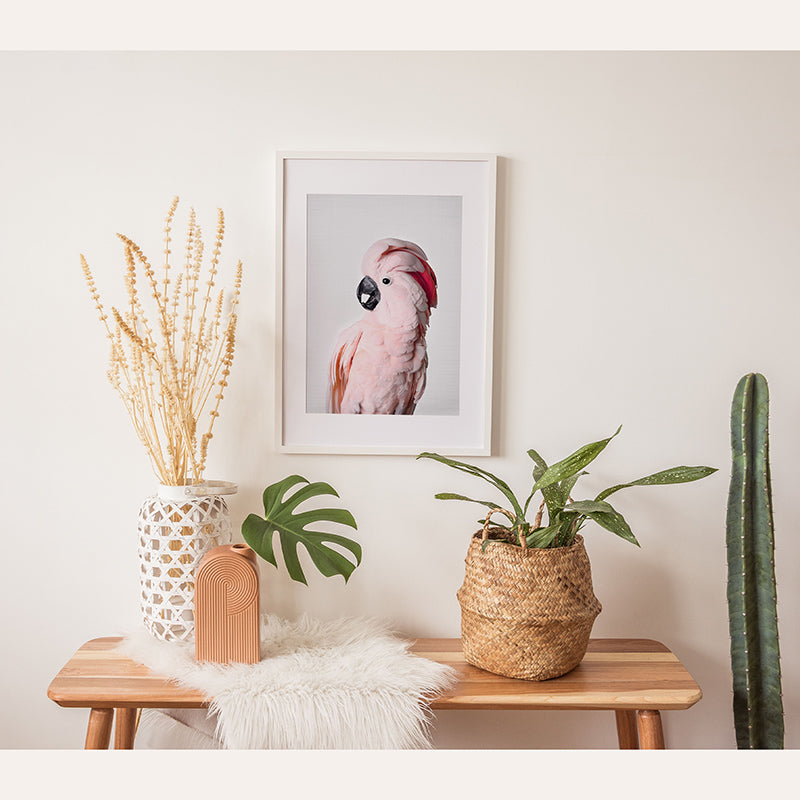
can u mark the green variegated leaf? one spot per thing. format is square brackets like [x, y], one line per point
[572, 463]
[482, 522]
[499, 484]
[588, 507]
[614, 521]
[452, 496]
[568, 484]
[667, 476]
[542, 537]
[557, 482]
[292, 530]
[551, 494]
[540, 464]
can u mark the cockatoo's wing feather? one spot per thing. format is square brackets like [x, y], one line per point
[420, 379]
[340, 367]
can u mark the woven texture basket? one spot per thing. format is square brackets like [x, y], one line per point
[173, 537]
[526, 613]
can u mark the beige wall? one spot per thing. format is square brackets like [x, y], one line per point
[647, 248]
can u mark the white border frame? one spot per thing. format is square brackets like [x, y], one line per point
[483, 438]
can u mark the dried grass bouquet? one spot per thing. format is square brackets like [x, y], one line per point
[171, 373]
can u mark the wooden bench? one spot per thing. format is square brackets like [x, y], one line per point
[635, 678]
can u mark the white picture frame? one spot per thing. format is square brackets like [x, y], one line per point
[331, 207]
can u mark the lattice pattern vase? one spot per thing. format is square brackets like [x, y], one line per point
[174, 533]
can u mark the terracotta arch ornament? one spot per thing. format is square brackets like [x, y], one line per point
[227, 606]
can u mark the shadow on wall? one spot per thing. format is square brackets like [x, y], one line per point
[699, 730]
[645, 605]
[633, 602]
[499, 336]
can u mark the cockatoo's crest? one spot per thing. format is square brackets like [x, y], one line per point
[425, 277]
[388, 255]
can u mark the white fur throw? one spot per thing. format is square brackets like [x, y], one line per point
[346, 684]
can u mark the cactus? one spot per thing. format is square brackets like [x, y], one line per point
[755, 656]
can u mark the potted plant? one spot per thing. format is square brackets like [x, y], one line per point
[527, 603]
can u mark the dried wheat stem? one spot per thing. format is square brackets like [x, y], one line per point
[212, 272]
[165, 377]
[194, 252]
[176, 427]
[167, 240]
[198, 258]
[219, 356]
[227, 360]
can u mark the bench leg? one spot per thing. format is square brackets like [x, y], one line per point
[125, 729]
[651, 734]
[627, 734]
[98, 734]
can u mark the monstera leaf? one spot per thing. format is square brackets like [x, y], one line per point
[292, 530]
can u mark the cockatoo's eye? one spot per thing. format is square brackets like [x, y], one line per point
[386, 281]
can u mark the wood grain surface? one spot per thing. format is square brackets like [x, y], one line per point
[617, 674]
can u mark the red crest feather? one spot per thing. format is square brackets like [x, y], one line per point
[426, 279]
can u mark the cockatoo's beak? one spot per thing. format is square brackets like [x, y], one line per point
[368, 293]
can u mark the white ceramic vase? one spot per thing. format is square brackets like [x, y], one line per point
[176, 528]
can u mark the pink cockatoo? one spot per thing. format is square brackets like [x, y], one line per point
[380, 362]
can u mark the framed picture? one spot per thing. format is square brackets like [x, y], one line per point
[385, 303]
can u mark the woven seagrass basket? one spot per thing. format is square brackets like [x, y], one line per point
[526, 613]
